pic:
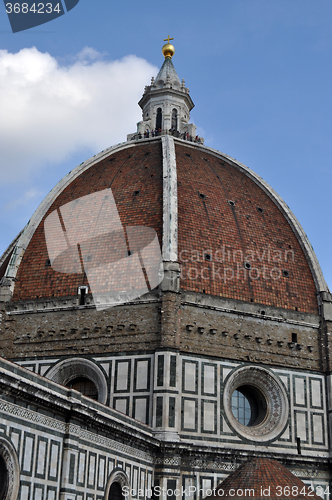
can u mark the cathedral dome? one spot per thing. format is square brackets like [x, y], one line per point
[229, 234]
[235, 238]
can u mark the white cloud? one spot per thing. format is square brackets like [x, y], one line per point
[49, 110]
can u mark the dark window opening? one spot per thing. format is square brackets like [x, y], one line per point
[171, 416]
[294, 338]
[298, 444]
[82, 291]
[160, 372]
[159, 119]
[3, 479]
[82, 297]
[159, 411]
[85, 386]
[115, 492]
[174, 119]
[248, 405]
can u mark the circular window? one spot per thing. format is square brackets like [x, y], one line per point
[255, 403]
[248, 405]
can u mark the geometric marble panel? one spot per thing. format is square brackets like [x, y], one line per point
[299, 391]
[189, 414]
[316, 395]
[190, 376]
[317, 422]
[142, 375]
[301, 425]
[122, 383]
[209, 416]
[209, 379]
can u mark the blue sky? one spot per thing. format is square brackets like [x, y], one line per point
[259, 73]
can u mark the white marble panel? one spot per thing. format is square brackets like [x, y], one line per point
[24, 493]
[41, 457]
[299, 391]
[301, 426]
[54, 460]
[316, 393]
[142, 375]
[28, 454]
[101, 475]
[81, 467]
[209, 379]
[121, 405]
[190, 376]
[208, 416]
[122, 376]
[189, 414]
[140, 410]
[317, 423]
[92, 469]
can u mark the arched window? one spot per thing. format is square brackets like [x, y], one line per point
[87, 375]
[85, 386]
[174, 119]
[115, 492]
[116, 483]
[3, 479]
[159, 119]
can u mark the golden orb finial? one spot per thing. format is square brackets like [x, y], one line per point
[168, 49]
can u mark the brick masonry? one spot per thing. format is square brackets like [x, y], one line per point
[222, 209]
[126, 172]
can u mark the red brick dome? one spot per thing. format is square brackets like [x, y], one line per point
[235, 238]
[263, 478]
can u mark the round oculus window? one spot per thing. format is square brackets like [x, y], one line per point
[255, 403]
[248, 405]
